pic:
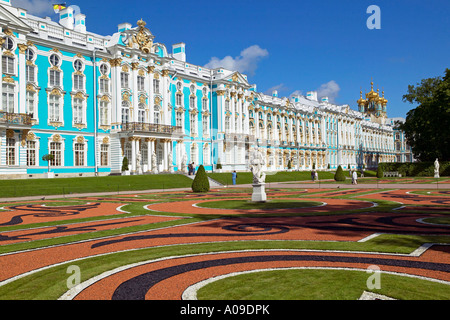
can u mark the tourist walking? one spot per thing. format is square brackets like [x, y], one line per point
[354, 177]
[234, 176]
[313, 175]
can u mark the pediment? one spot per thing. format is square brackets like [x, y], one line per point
[12, 22]
[237, 77]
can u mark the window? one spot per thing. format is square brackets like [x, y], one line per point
[192, 102]
[31, 153]
[227, 123]
[204, 104]
[125, 112]
[29, 55]
[104, 70]
[78, 114]
[10, 151]
[31, 73]
[55, 151]
[205, 125]
[79, 154]
[156, 117]
[104, 154]
[104, 85]
[179, 119]
[206, 154]
[8, 65]
[227, 105]
[141, 113]
[7, 98]
[8, 44]
[54, 60]
[140, 83]
[104, 113]
[193, 123]
[54, 107]
[78, 82]
[55, 78]
[30, 102]
[194, 153]
[78, 65]
[124, 79]
[178, 99]
[155, 86]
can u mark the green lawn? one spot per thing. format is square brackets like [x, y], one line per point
[36, 187]
[248, 205]
[247, 177]
[304, 284]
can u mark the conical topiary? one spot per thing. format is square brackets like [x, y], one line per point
[201, 182]
[339, 175]
[379, 172]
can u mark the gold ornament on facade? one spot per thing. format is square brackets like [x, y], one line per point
[115, 62]
[125, 68]
[8, 53]
[8, 79]
[8, 32]
[56, 138]
[143, 38]
[235, 77]
[165, 72]
[31, 136]
[141, 73]
[151, 69]
[22, 48]
[134, 65]
[142, 99]
[220, 92]
[55, 92]
[125, 96]
[9, 133]
[80, 139]
[105, 140]
[105, 98]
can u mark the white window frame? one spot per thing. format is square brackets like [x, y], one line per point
[78, 111]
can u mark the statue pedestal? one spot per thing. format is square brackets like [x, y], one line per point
[259, 193]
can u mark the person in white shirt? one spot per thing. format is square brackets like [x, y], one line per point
[354, 177]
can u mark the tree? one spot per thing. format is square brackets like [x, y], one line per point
[125, 164]
[48, 158]
[201, 182]
[339, 175]
[427, 127]
[380, 173]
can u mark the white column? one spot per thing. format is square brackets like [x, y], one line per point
[22, 79]
[133, 155]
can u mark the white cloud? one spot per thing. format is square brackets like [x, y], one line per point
[296, 93]
[278, 87]
[330, 89]
[246, 62]
[35, 7]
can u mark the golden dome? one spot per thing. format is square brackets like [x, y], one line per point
[383, 100]
[371, 95]
[361, 101]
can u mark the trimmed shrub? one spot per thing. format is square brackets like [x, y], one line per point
[416, 169]
[201, 182]
[379, 172]
[339, 175]
[125, 164]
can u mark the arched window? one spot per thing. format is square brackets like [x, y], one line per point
[125, 112]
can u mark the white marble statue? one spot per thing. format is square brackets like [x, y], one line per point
[184, 163]
[257, 162]
[138, 162]
[436, 168]
[170, 162]
[154, 170]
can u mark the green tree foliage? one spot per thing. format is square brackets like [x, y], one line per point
[48, 158]
[339, 175]
[380, 172]
[427, 127]
[125, 164]
[201, 182]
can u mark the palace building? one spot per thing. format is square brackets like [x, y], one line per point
[91, 100]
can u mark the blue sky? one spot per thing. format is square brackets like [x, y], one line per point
[294, 46]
